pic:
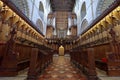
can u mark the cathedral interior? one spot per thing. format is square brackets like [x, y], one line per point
[59, 39]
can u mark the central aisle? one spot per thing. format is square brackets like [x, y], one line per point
[61, 69]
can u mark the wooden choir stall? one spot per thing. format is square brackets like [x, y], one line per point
[103, 36]
[38, 62]
[18, 38]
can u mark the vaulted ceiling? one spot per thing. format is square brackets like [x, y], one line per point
[62, 5]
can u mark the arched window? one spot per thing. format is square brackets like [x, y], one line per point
[41, 8]
[83, 10]
[39, 25]
[84, 24]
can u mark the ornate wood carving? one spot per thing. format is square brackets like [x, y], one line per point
[8, 66]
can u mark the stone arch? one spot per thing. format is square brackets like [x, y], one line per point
[102, 5]
[84, 24]
[39, 25]
[22, 5]
[83, 10]
[41, 7]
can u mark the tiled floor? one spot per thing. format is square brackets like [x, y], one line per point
[61, 69]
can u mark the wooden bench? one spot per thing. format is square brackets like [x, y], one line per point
[86, 61]
[38, 62]
[110, 52]
[101, 65]
[11, 64]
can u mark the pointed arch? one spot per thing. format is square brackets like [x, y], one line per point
[41, 7]
[84, 24]
[83, 10]
[39, 25]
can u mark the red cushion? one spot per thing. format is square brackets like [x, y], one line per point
[104, 60]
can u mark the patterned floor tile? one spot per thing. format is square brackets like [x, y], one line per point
[61, 69]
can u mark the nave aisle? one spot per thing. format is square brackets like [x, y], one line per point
[62, 69]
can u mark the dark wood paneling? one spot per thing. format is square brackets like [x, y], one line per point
[2, 51]
[85, 60]
[38, 62]
[12, 63]
[101, 50]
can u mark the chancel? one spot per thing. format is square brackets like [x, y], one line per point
[59, 39]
